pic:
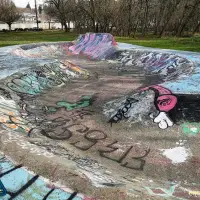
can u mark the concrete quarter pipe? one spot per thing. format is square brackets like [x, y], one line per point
[99, 120]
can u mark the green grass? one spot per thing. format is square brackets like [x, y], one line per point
[186, 44]
[14, 38]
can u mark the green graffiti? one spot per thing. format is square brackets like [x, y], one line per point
[191, 129]
[33, 83]
[85, 101]
[29, 84]
[165, 192]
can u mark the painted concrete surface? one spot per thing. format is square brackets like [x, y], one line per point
[21, 184]
[188, 84]
[125, 117]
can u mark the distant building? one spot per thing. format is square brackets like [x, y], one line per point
[28, 19]
[28, 15]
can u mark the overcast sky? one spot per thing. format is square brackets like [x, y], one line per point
[23, 3]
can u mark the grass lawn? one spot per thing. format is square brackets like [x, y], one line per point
[14, 38]
[186, 44]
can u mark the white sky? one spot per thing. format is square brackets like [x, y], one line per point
[23, 3]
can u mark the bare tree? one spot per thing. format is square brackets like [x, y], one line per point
[129, 17]
[191, 8]
[62, 10]
[49, 14]
[9, 12]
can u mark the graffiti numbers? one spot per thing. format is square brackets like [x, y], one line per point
[140, 159]
[88, 138]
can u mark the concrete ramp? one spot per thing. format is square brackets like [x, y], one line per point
[99, 120]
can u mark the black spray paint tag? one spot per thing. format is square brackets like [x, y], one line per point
[3, 191]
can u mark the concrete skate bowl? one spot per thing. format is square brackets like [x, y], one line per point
[107, 120]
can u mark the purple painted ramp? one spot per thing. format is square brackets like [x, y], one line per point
[95, 45]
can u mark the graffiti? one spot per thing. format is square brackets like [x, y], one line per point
[162, 192]
[123, 156]
[29, 84]
[122, 112]
[158, 61]
[3, 191]
[10, 116]
[57, 130]
[192, 192]
[5, 93]
[174, 190]
[84, 101]
[162, 120]
[190, 129]
[168, 66]
[155, 102]
[94, 45]
[56, 124]
[42, 50]
[37, 81]
[164, 102]
[54, 73]
[69, 66]
[21, 184]
[195, 193]
[80, 114]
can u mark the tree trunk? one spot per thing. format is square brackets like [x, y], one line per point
[93, 25]
[129, 17]
[9, 25]
[49, 25]
[66, 27]
[187, 19]
[158, 18]
[196, 28]
[97, 28]
[61, 25]
[163, 29]
[146, 14]
[93, 14]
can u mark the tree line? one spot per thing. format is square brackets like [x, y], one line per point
[128, 17]
[118, 17]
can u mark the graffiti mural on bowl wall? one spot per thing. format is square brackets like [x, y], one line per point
[84, 101]
[22, 115]
[55, 50]
[34, 82]
[68, 66]
[3, 191]
[167, 66]
[61, 122]
[95, 45]
[190, 129]
[10, 116]
[164, 102]
[85, 138]
[140, 104]
[19, 183]
[70, 127]
[175, 190]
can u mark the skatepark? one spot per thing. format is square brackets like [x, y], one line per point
[94, 119]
